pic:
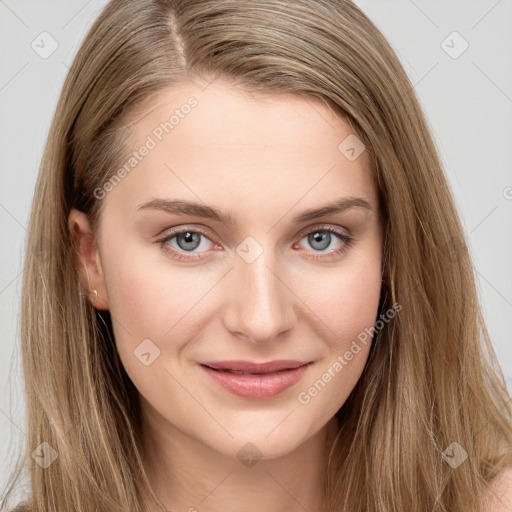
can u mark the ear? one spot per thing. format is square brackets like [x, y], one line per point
[87, 259]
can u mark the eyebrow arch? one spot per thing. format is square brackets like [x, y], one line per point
[207, 212]
[337, 206]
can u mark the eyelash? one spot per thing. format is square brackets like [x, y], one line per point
[344, 237]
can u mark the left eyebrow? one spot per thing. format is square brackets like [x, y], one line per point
[338, 206]
[207, 212]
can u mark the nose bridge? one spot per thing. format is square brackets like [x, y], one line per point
[261, 305]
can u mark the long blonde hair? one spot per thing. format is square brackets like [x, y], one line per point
[432, 378]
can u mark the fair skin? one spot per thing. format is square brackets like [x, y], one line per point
[499, 496]
[263, 161]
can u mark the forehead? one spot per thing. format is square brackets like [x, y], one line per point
[223, 115]
[219, 142]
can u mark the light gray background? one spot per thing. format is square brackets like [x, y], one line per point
[467, 100]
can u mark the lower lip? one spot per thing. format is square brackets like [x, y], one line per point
[262, 386]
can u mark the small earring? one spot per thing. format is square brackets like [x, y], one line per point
[95, 293]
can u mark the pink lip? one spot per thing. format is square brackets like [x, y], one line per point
[264, 380]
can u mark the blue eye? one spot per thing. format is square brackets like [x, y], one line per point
[321, 238]
[188, 240]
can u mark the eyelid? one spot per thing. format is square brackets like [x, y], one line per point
[183, 227]
[320, 227]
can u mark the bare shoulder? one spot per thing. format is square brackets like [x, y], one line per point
[499, 497]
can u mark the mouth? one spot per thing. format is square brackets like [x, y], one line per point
[251, 368]
[253, 380]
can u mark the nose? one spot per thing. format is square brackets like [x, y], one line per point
[261, 303]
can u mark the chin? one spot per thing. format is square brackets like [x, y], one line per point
[270, 442]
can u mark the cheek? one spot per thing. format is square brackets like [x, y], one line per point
[150, 299]
[344, 308]
[357, 303]
[152, 316]
[344, 302]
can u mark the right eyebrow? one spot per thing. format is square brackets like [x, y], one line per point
[188, 208]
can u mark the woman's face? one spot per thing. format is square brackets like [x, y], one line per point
[186, 287]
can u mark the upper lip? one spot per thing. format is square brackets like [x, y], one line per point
[250, 367]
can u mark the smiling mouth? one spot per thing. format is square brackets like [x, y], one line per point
[256, 381]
